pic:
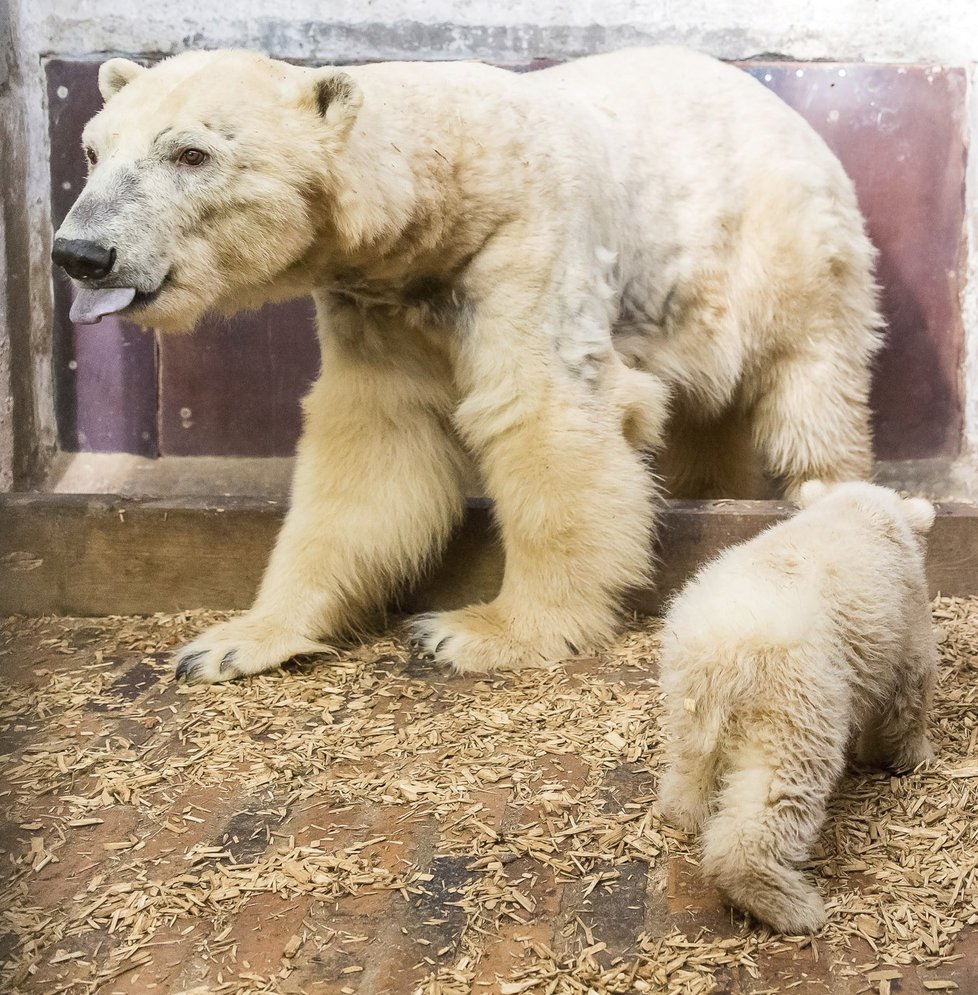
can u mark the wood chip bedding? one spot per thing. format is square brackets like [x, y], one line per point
[506, 830]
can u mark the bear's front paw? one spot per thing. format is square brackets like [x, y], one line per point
[239, 648]
[476, 640]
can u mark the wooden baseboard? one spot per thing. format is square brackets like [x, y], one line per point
[79, 554]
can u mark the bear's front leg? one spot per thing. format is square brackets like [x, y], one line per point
[377, 489]
[574, 501]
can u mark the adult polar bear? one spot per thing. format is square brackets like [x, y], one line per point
[504, 266]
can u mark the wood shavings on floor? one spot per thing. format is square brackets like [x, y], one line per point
[370, 825]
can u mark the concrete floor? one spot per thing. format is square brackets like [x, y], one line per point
[192, 476]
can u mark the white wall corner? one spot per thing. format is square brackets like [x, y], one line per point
[969, 290]
[516, 30]
[6, 381]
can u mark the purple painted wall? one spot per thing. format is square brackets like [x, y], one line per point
[105, 375]
[233, 387]
[900, 134]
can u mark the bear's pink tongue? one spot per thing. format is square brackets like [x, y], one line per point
[90, 306]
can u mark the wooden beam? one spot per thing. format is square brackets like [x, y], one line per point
[76, 554]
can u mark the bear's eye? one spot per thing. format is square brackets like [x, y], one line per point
[92, 156]
[192, 157]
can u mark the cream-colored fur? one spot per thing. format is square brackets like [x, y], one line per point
[510, 270]
[775, 657]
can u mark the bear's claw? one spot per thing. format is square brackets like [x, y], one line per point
[419, 638]
[187, 665]
[480, 640]
[227, 663]
[242, 647]
[422, 639]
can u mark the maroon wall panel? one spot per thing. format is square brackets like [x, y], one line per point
[900, 134]
[232, 388]
[104, 374]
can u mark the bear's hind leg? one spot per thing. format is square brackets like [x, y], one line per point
[708, 457]
[377, 490]
[811, 420]
[688, 784]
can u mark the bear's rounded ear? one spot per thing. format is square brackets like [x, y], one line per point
[810, 491]
[920, 514]
[115, 74]
[335, 97]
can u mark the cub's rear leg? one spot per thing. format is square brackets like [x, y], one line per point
[767, 817]
[896, 738]
[688, 785]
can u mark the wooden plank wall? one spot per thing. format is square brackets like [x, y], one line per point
[103, 555]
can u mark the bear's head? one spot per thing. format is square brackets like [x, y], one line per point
[917, 513]
[207, 188]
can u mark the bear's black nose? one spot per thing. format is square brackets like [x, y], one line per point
[83, 260]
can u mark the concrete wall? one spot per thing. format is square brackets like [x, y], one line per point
[859, 30]
[502, 30]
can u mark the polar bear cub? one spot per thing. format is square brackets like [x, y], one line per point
[778, 655]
